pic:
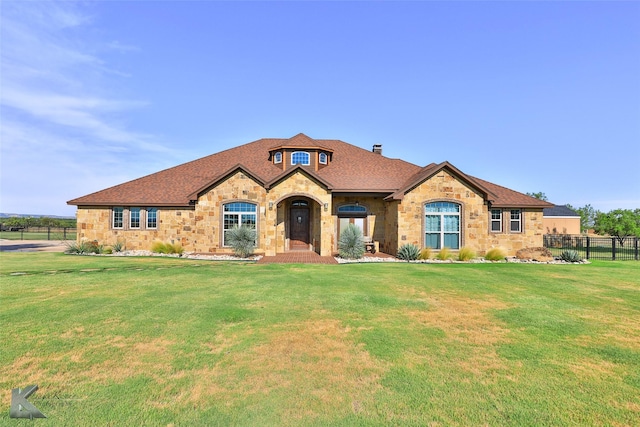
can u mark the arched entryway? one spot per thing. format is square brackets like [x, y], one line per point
[300, 226]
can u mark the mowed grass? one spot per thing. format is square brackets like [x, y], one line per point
[173, 342]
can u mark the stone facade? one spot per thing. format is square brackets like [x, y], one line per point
[390, 223]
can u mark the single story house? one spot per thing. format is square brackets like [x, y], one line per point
[300, 193]
[560, 220]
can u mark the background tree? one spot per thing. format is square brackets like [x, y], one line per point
[620, 223]
[587, 216]
[539, 195]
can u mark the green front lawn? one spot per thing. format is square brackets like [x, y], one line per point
[165, 341]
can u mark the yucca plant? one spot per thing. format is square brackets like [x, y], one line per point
[495, 254]
[118, 246]
[351, 243]
[570, 256]
[408, 252]
[242, 240]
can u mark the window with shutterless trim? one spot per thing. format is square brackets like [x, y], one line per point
[238, 214]
[152, 218]
[277, 158]
[117, 218]
[496, 220]
[515, 221]
[322, 158]
[442, 225]
[134, 217]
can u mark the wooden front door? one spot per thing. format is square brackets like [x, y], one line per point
[299, 228]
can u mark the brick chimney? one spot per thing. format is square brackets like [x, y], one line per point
[377, 148]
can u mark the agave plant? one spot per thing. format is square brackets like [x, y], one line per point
[570, 256]
[408, 252]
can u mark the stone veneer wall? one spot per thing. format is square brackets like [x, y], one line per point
[208, 224]
[94, 223]
[474, 217]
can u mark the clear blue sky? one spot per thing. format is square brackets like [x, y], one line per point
[534, 96]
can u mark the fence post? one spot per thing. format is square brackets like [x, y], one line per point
[48, 233]
[588, 246]
[613, 248]
[64, 233]
[636, 248]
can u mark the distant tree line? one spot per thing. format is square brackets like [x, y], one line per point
[26, 222]
[619, 223]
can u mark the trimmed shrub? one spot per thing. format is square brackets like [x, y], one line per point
[425, 253]
[408, 252]
[466, 254]
[351, 243]
[242, 240]
[570, 256]
[495, 254]
[444, 254]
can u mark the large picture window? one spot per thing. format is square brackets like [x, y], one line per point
[118, 218]
[237, 214]
[442, 225]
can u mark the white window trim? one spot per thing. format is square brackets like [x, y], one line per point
[147, 226]
[113, 218]
[322, 156]
[442, 221]
[491, 221]
[239, 214]
[277, 157]
[518, 221]
[131, 210]
[301, 152]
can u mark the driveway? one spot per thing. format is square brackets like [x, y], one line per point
[32, 246]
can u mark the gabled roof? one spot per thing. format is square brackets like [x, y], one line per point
[351, 170]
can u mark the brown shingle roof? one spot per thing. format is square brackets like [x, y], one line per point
[352, 169]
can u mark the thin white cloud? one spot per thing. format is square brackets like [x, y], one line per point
[60, 116]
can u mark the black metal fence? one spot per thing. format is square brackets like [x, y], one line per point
[38, 233]
[599, 248]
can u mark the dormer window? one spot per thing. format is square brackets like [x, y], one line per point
[277, 158]
[300, 158]
[322, 158]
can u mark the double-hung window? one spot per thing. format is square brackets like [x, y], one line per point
[277, 158]
[496, 220]
[515, 223]
[117, 220]
[322, 158]
[152, 218]
[237, 214]
[300, 158]
[134, 218]
[442, 225]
